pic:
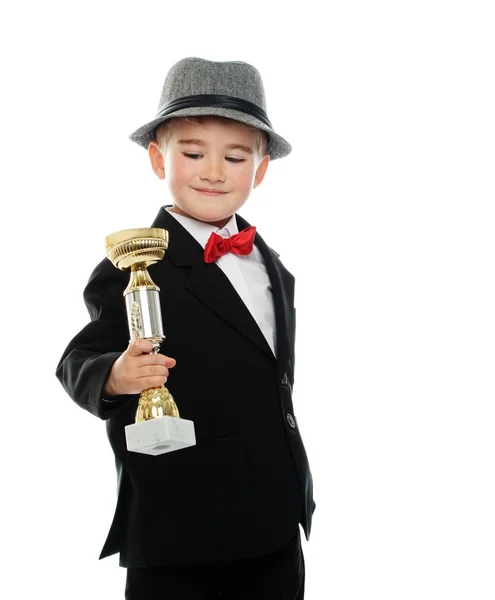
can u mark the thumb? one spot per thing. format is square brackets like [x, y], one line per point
[139, 346]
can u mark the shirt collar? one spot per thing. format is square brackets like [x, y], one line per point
[201, 231]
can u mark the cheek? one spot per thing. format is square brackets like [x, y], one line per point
[245, 178]
[179, 171]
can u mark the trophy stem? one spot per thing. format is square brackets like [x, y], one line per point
[140, 279]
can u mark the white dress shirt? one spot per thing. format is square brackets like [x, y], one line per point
[247, 274]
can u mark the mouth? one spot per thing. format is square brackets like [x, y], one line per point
[209, 192]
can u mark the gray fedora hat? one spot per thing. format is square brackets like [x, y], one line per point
[199, 87]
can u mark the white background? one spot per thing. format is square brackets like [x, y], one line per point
[383, 212]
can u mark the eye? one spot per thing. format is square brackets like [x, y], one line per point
[192, 155]
[234, 160]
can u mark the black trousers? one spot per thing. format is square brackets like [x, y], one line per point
[277, 576]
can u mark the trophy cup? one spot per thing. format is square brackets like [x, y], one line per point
[158, 428]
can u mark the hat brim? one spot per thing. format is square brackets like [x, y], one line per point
[278, 147]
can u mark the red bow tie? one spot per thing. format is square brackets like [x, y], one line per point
[240, 243]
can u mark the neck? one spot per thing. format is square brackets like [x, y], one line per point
[219, 224]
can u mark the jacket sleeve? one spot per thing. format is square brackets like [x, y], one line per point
[87, 361]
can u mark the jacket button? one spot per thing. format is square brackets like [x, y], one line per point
[290, 420]
[285, 380]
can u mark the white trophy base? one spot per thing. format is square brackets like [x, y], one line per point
[160, 435]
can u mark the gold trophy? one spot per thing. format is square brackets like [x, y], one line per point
[158, 428]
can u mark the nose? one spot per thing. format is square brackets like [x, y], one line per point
[212, 170]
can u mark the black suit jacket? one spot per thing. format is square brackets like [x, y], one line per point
[245, 486]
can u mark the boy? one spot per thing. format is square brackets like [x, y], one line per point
[219, 519]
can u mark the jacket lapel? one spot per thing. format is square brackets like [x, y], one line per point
[208, 282]
[282, 283]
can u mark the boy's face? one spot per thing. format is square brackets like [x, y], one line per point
[211, 168]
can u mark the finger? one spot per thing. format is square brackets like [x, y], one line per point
[155, 359]
[150, 382]
[170, 362]
[139, 346]
[152, 371]
[149, 359]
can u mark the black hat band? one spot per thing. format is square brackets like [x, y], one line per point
[215, 100]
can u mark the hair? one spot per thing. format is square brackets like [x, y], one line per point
[162, 132]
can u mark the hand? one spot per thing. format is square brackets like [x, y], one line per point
[137, 369]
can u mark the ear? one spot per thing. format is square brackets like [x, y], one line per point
[260, 171]
[156, 160]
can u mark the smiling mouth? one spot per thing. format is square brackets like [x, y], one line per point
[208, 192]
